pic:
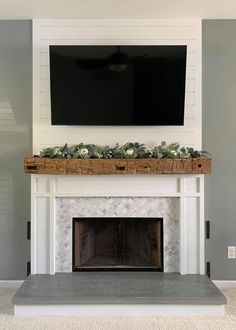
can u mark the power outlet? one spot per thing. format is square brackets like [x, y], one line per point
[231, 252]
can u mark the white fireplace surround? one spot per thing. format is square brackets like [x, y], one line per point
[49, 192]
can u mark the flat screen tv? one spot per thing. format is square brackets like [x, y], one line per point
[117, 85]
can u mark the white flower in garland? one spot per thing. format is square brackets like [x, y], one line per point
[148, 151]
[130, 151]
[84, 151]
[57, 151]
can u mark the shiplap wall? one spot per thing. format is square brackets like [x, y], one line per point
[115, 32]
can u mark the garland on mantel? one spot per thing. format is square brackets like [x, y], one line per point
[128, 150]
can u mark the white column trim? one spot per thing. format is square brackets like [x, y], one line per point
[52, 227]
[201, 227]
[33, 242]
[182, 219]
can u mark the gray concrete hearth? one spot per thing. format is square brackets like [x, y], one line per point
[118, 288]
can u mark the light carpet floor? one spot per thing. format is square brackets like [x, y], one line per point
[9, 321]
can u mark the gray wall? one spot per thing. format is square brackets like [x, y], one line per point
[219, 138]
[15, 142]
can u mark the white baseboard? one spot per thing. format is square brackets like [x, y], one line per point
[11, 284]
[225, 284]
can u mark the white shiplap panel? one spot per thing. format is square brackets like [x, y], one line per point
[190, 83]
[44, 84]
[113, 32]
[45, 112]
[44, 58]
[67, 23]
[44, 98]
[189, 99]
[51, 136]
[190, 112]
[190, 73]
[120, 32]
[44, 71]
[191, 43]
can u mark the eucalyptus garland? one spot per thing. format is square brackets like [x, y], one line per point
[128, 150]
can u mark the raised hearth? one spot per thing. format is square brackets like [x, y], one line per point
[123, 293]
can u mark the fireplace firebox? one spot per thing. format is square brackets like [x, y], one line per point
[117, 244]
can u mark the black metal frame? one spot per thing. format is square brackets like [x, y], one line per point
[117, 269]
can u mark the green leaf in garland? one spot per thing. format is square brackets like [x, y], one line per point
[128, 150]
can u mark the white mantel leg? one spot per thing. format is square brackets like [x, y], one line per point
[183, 230]
[33, 245]
[52, 226]
[202, 227]
[192, 226]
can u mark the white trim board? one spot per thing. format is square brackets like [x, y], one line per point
[11, 283]
[120, 310]
[221, 284]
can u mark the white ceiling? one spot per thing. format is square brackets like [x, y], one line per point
[13, 9]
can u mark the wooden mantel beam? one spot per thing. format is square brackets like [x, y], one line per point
[38, 165]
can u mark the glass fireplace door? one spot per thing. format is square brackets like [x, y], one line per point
[117, 244]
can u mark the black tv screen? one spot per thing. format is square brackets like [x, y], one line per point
[117, 85]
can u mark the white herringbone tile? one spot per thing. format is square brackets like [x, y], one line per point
[69, 208]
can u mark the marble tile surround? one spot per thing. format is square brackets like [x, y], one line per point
[164, 207]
